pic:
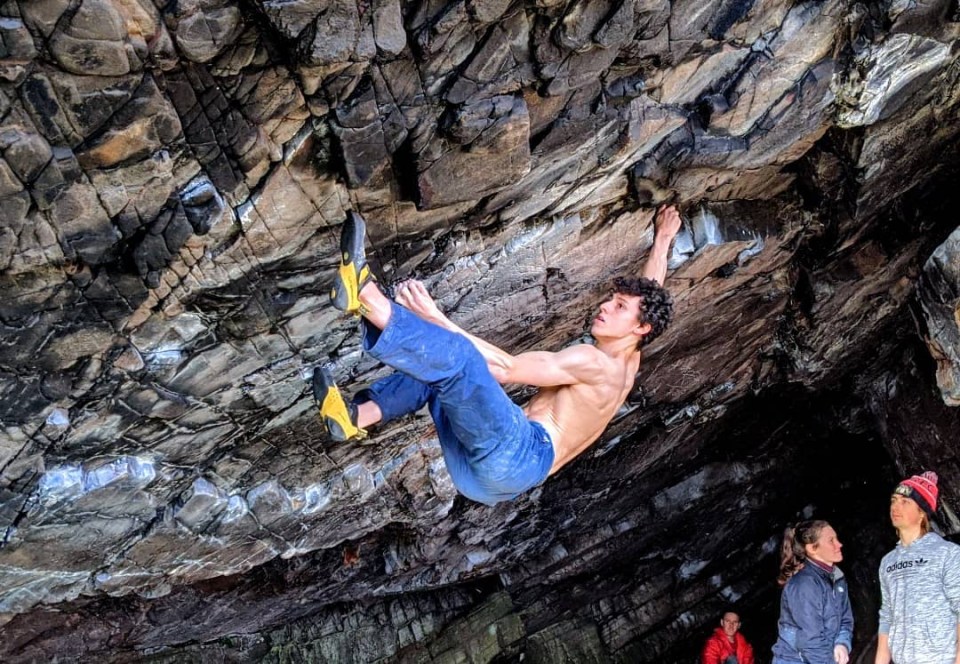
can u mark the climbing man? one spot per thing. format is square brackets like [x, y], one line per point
[493, 449]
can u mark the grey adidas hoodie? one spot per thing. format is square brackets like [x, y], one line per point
[920, 609]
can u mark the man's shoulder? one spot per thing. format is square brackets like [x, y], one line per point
[588, 355]
[584, 348]
[936, 542]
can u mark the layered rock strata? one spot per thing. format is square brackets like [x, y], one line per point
[940, 295]
[172, 180]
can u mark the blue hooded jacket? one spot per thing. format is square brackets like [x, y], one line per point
[815, 616]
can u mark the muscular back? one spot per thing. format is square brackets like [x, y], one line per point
[576, 414]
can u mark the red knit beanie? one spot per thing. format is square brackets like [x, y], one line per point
[922, 489]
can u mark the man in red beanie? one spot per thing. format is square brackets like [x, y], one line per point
[919, 582]
[727, 645]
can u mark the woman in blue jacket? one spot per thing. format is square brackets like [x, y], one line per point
[816, 623]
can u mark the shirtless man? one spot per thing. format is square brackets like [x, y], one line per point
[493, 449]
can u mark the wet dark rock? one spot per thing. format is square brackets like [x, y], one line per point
[163, 239]
[489, 140]
[912, 418]
[359, 129]
[202, 29]
[500, 65]
[940, 295]
[173, 177]
[203, 205]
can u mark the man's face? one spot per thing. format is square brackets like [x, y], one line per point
[904, 512]
[619, 317]
[730, 623]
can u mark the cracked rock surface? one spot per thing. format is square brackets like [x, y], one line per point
[173, 177]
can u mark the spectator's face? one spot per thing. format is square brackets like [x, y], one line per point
[904, 512]
[827, 548]
[730, 623]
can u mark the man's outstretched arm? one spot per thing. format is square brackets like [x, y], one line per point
[576, 364]
[544, 369]
[413, 295]
[667, 224]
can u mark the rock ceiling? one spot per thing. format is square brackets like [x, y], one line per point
[172, 182]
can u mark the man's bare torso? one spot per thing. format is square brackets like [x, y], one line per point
[575, 415]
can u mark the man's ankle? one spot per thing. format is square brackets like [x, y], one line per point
[374, 305]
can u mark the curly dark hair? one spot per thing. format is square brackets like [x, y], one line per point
[656, 303]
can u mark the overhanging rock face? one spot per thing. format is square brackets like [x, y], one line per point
[172, 183]
[941, 302]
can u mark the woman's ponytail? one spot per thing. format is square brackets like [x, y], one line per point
[793, 551]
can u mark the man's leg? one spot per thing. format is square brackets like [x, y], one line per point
[481, 429]
[478, 413]
[398, 395]
[385, 400]
[491, 450]
[338, 416]
[419, 349]
[354, 272]
[390, 398]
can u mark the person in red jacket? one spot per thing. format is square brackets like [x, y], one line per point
[726, 645]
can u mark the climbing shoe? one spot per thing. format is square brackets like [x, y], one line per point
[354, 273]
[339, 417]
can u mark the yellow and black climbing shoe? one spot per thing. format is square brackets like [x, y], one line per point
[354, 273]
[339, 417]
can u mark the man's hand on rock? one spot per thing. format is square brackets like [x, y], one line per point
[667, 222]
